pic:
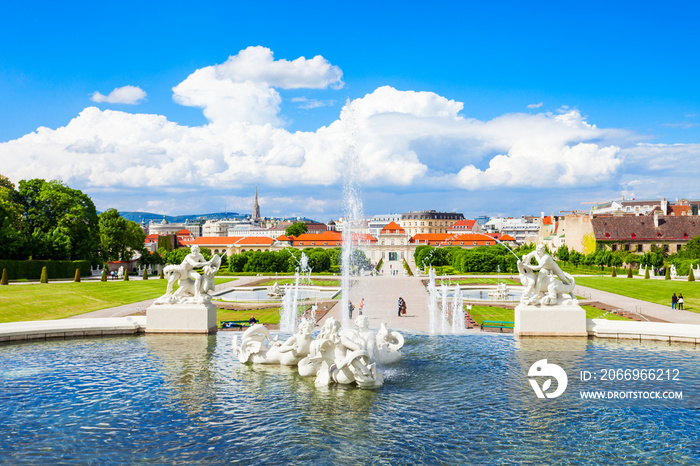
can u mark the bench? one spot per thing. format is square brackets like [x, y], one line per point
[239, 324]
[500, 324]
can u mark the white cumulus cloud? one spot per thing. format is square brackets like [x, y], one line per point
[406, 141]
[130, 95]
[242, 89]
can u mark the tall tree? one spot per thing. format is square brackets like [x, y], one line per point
[62, 221]
[296, 229]
[119, 238]
[11, 239]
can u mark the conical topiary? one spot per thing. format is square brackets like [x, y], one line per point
[162, 275]
[614, 272]
[44, 275]
[668, 273]
[691, 276]
[103, 278]
[77, 276]
[126, 275]
[145, 274]
[629, 272]
[3, 280]
[646, 273]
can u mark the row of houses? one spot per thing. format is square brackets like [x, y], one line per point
[392, 244]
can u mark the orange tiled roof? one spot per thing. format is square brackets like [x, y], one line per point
[679, 210]
[255, 241]
[392, 229]
[333, 238]
[463, 225]
[217, 240]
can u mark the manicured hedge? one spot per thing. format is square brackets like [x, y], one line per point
[31, 270]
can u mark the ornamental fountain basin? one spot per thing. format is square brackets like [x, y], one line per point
[455, 399]
[260, 293]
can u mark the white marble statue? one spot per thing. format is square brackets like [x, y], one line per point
[120, 272]
[501, 291]
[334, 356]
[642, 270]
[275, 291]
[193, 287]
[550, 286]
[674, 273]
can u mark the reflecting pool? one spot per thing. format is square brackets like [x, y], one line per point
[260, 294]
[462, 399]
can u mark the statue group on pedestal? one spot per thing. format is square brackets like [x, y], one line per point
[334, 356]
[193, 287]
[550, 286]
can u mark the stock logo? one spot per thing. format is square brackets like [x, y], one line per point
[542, 369]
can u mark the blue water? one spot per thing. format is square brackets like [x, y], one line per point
[453, 400]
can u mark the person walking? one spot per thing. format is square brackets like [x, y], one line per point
[400, 305]
[350, 308]
[674, 301]
[680, 301]
[361, 305]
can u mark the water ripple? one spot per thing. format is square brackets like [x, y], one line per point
[452, 400]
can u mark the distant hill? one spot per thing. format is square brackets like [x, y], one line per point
[147, 216]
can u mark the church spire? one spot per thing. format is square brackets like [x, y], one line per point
[256, 207]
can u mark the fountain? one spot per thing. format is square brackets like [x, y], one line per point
[352, 206]
[445, 317]
[342, 356]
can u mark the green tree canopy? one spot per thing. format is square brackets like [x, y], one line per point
[11, 239]
[691, 249]
[119, 238]
[61, 222]
[296, 229]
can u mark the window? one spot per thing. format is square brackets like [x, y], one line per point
[488, 243]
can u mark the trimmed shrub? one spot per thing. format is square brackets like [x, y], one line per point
[646, 273]
[44, 275]
[162, 276]
[668, 273]
[614, 272]
[126, 275]
[691, 276]
[77, 276]
[145, 274]
[629, 272]
[3, 280]
[31, 270]
[103, 278]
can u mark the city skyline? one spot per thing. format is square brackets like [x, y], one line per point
[504, 109]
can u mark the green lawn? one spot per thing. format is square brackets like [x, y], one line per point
[481, 281]
[655, 291]
[481, 313]
[291, 281]
[58, 300]
[264, 316]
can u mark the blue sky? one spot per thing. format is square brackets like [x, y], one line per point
[484, 108]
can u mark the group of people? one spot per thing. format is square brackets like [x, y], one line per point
[402, 307]
[360, 307]
[677, 301]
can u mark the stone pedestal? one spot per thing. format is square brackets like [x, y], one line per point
[550, 321]
[181, 318]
